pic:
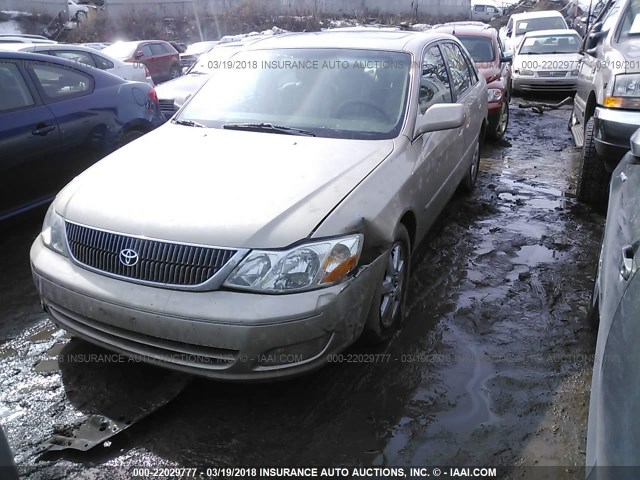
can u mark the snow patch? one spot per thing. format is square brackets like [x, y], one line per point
[10, 27]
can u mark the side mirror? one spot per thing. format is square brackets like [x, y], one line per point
[593, 40]
[635, 144]
[441, 116]
[506, 57]
[509, 33]
[139, 54]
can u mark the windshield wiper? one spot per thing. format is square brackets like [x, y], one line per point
[267, 127]
[189, 123]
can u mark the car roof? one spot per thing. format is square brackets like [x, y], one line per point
[366, 39]
[537, 14]
[22, 39]
[555, 31]
[478, 29]
[95, 72]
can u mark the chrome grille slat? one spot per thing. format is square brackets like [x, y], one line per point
[159, 262]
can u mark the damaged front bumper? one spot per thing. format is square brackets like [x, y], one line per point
[218, 334]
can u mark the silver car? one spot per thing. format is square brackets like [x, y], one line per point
[613, 435]
[270, 224]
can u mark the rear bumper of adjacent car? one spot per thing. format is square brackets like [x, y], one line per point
[612, 133]
[544, 84]
[218, 334]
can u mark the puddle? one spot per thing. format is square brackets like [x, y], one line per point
[533, 255]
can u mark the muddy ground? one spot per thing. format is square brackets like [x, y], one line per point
[492, 367]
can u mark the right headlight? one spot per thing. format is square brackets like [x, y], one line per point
[526, 73]
[311, 265]
[626, 92]
[53, 232]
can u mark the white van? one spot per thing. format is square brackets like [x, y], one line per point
[484, 10]
[521, 23]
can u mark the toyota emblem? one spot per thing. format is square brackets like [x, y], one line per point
[128, 257]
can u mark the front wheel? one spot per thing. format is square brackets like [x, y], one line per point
[500, 127]
[175, 72]
[387, 310]
[593, 181]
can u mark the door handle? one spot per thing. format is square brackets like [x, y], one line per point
[42, 129]
[626, 269]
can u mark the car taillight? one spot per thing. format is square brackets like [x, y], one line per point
[153, 95]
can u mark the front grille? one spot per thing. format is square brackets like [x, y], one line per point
[168, 108]
[150, 261]
[558, 73]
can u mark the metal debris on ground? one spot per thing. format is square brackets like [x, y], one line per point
[539, 107]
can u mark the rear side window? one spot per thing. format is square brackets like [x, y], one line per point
[75, 56]
[156, 49]
[102, 63]
[14, 93]
[460, 74]
[61, 83]
[434, 81]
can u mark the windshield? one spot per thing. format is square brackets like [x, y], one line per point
[210, 61]
[337, 93]
[535, 24]
[480, 48]
[631, 22]
[549, 44]
[121, 50]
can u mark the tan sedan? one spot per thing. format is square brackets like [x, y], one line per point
[270, 224]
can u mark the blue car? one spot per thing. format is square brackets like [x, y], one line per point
[58, 117]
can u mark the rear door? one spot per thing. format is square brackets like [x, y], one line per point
[29, 142]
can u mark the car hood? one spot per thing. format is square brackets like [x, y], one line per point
[181, 87]
[554, 61]
[220, 187]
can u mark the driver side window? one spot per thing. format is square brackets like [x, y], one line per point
[434, 81]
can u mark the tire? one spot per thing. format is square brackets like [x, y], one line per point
[387, 309]
[593, 181]
[175, 72]
[497, 131]
[469, 181]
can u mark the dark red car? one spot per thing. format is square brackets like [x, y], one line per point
[162, 60]
[486, 50]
